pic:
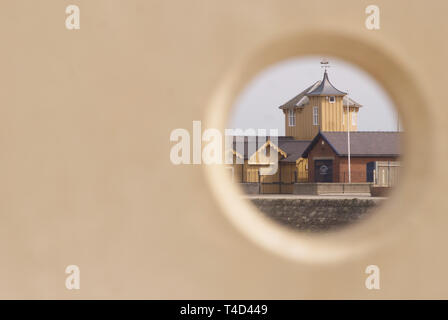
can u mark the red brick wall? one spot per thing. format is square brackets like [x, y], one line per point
[358, 167]
[340, 166]
[322, 150]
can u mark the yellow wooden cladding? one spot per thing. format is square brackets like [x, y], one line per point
[281, 182]
[302, 169]
[331, 116]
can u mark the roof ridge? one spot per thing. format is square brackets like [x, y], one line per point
[326, 88]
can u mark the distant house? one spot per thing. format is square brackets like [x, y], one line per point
[315, 146]
[292, 167]
[328, 155]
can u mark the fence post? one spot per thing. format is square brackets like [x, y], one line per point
[388, 173]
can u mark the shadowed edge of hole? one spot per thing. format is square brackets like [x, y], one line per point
[387, 68]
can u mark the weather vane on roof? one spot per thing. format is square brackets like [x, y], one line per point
[325, 64]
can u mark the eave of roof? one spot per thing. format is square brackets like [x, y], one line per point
[351, 103]
[296, 101]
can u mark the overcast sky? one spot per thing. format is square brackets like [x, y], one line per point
[257, 105]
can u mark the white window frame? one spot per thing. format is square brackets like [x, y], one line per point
[291, 118]
[315, 116]
[353, 118]
[334, 99]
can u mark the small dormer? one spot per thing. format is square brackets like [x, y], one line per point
[352, 107]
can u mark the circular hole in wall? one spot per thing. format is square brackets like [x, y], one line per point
[351, 59]
[315, 143]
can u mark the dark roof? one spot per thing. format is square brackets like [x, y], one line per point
[293, 148]
[325, 88]
[257, 143]
[362, 143]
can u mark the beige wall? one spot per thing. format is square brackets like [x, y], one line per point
[85, 173]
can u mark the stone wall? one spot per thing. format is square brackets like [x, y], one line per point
[315, 214]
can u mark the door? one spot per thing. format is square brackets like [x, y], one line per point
[323, 170]
[370, 167]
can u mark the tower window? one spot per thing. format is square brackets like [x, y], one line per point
[292, 118]
[354, 118]
[316, 116]
[332, 99]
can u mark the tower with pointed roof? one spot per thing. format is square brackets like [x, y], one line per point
[320, 107]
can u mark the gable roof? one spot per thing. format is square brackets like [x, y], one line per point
[256, 143]
[259, 158]
[325, 88]
[291, 149]
[362, 143]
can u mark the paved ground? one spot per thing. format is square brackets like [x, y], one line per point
[298, 196]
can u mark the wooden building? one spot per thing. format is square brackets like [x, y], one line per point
[320, 107]
[292, 167]
[314, 148]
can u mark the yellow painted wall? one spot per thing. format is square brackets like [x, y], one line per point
[302, 170]
[330, 118]
[330, 114]
[287, 172]
[304, 128]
